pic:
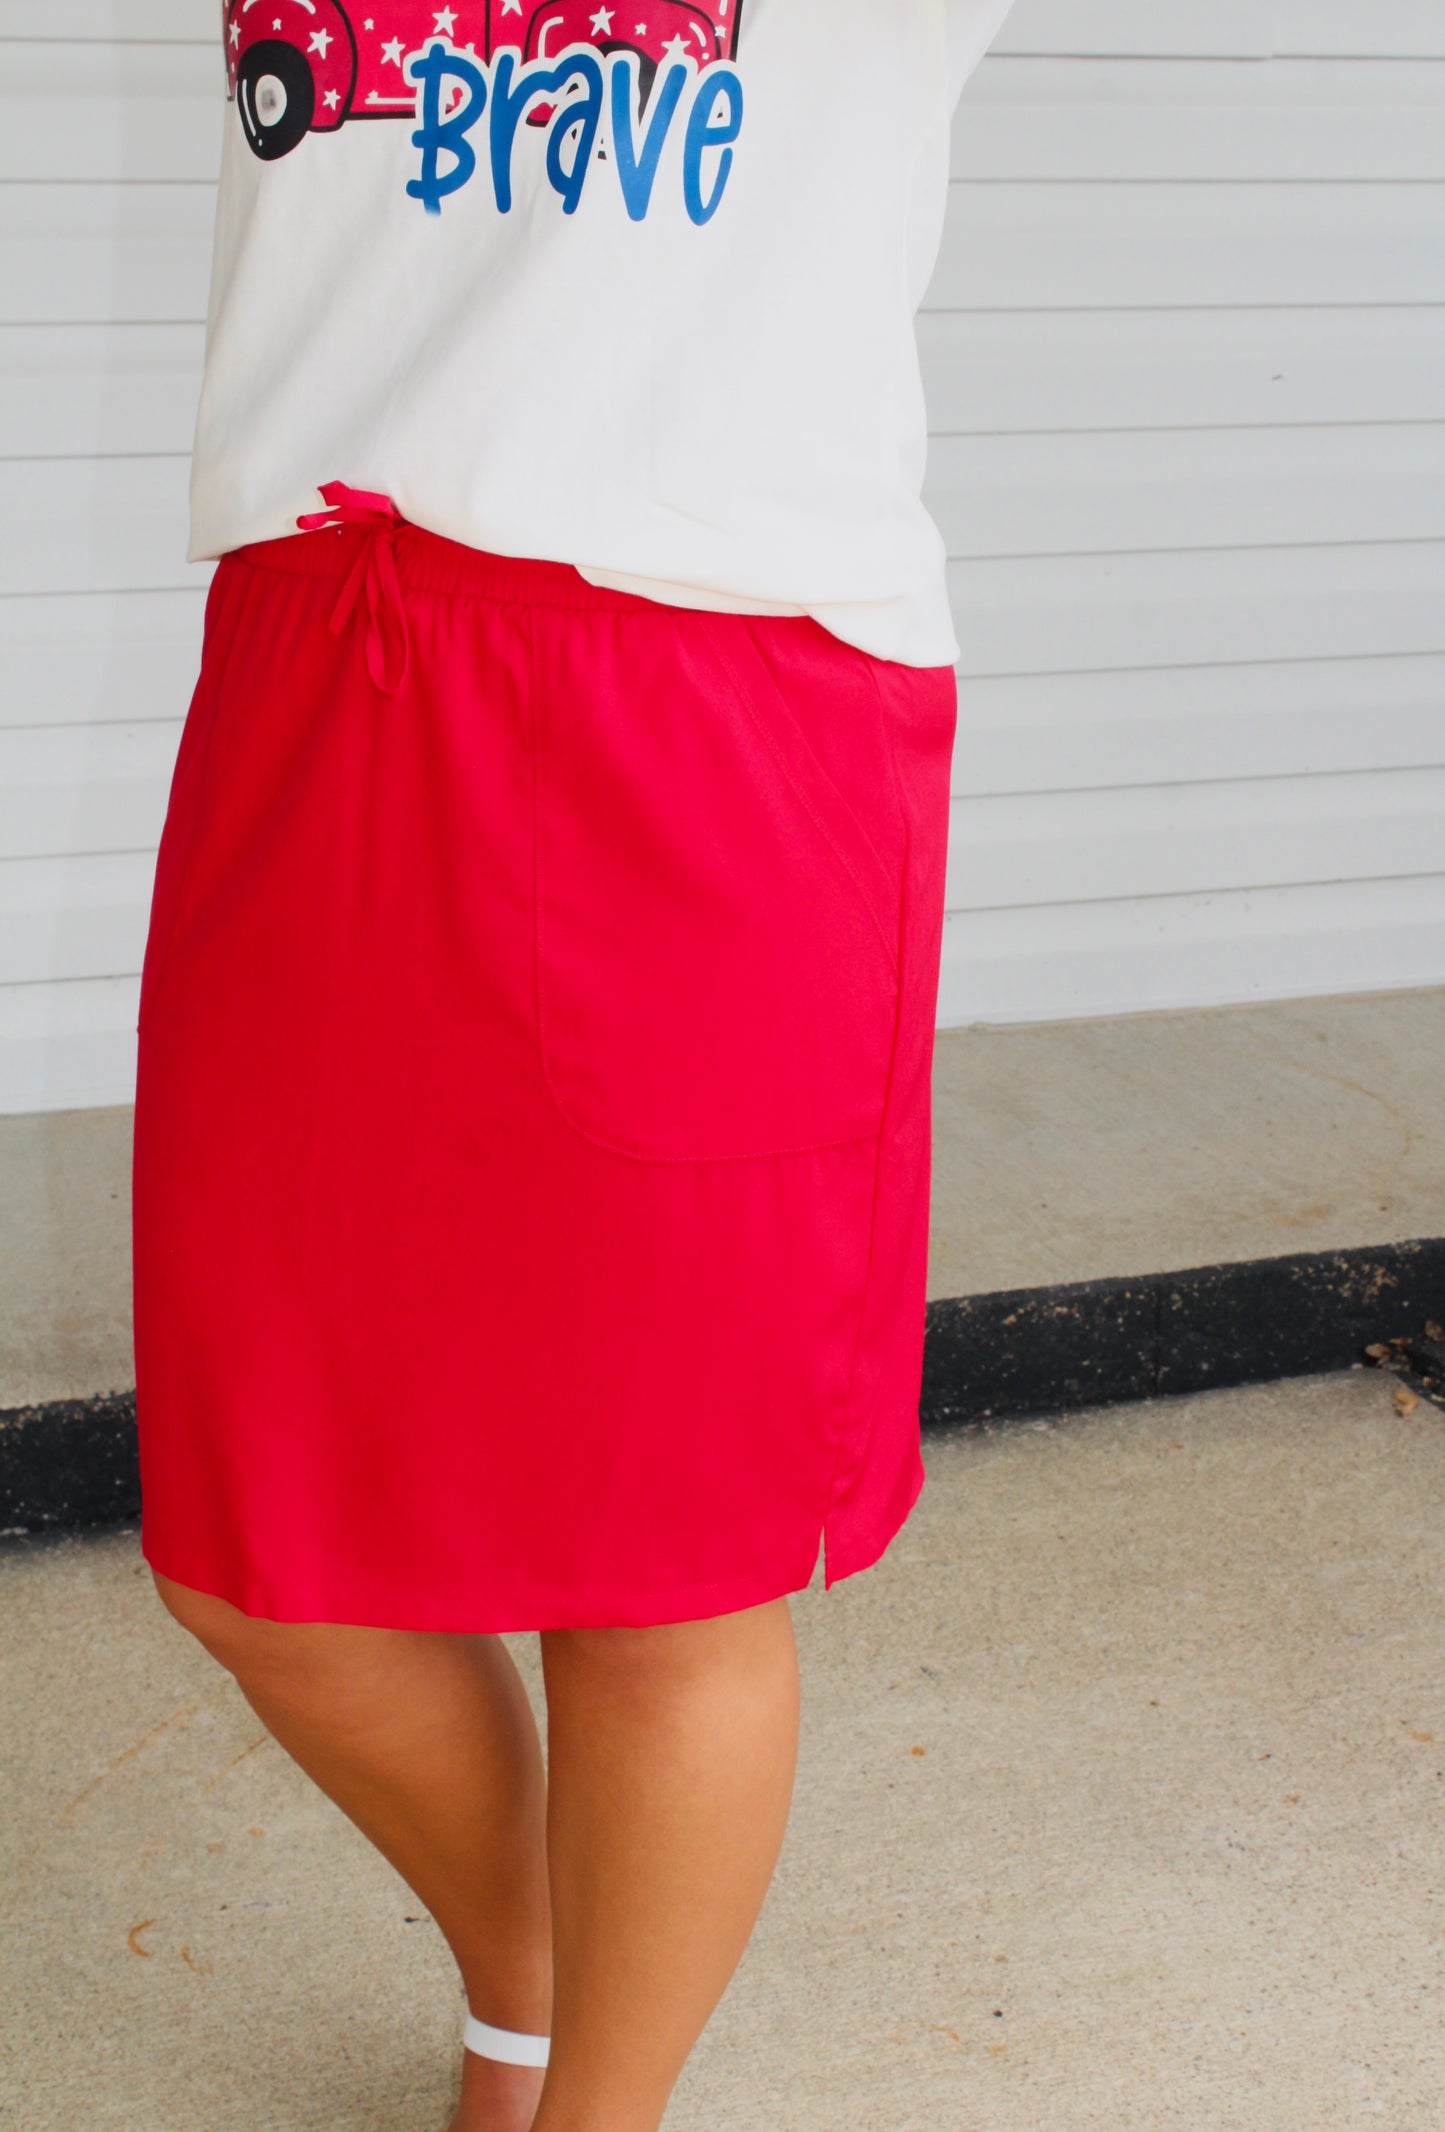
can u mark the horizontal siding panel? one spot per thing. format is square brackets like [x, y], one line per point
[1068, 847]
[1223, 29]
[100, 253]
[74, 391]
[1176, 369]
[74, 917]
[84, 788]
[1070, 247]
[1080, 493]
[1055, 732]
[141, 252]
[133, 112]
[118, 111]
[92, 792]
[68, 1046]
[1055, 614]
[76, 525]
[1363, 29]
[1124, 958]
[133, 389]
[99, 658]
[1202, 120]
[1226, 29]
[94, 525]
[1081, 610]
[109, 21]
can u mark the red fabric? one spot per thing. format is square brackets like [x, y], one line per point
[532, 1132]
[373, 573]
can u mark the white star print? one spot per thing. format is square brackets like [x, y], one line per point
[331, 99]
[511, 7]
[642, 29]
[446, 22]
[392, 50]
[235, 33]
[320, 39]
[368, 24]
[675, 48]
[602, 22]
[277, 23]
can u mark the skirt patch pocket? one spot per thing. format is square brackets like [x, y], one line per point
[717, 960]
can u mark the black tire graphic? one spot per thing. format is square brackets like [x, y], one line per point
[276, 95]
[646, 66]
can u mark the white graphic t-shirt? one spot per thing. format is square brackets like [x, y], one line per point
[627, 284]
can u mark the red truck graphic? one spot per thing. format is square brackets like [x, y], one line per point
[307, 66]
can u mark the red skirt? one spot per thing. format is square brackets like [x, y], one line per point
[532, 1130]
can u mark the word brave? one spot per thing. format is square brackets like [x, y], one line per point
[454, 91]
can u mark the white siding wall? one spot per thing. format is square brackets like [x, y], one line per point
[1186, 361]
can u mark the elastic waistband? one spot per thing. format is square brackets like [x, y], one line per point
[428, 562]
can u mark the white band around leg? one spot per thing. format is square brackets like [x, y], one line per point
[506, 2044]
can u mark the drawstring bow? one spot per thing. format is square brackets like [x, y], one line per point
[374, 573]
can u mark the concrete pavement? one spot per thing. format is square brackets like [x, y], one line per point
[1120, 1811]
[1142, 1143]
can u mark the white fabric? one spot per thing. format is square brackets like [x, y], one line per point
[714, 400]
[507, 2044]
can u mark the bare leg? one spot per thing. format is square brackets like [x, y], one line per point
[672, 1759]
[672, 1753]
[427, 1743]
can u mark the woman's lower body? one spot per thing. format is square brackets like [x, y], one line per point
[532, 1151]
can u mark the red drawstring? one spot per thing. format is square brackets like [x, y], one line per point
[374, 571]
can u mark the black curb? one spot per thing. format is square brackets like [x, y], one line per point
[1044, 1350]
[1027, 1351]
[71, 1462]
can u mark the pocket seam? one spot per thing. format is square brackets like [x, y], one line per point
[583, 1132]
[805, 799]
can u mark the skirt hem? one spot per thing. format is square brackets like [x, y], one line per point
[522, 1613]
